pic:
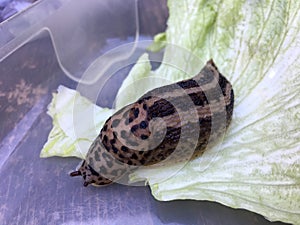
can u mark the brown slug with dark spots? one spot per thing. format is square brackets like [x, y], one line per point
[134, 137]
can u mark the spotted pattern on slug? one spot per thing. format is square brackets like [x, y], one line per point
[151, 130]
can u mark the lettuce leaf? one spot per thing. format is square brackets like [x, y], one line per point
[69, 136]
[256, 45]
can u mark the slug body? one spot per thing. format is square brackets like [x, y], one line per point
[168, 124]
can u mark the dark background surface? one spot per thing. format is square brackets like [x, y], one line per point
[10, 7]
[39, 191]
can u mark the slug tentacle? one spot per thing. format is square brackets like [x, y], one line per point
[169, 124]
[75, 173]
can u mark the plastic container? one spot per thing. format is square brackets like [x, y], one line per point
[60, 42]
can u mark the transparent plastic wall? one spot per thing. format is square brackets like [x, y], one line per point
[79, 31]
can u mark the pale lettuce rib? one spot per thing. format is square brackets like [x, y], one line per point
[74, 127]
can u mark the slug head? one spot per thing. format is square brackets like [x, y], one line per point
[90, 176]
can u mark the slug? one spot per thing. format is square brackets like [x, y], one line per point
[171, 123]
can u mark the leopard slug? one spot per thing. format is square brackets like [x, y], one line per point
[190, 113]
